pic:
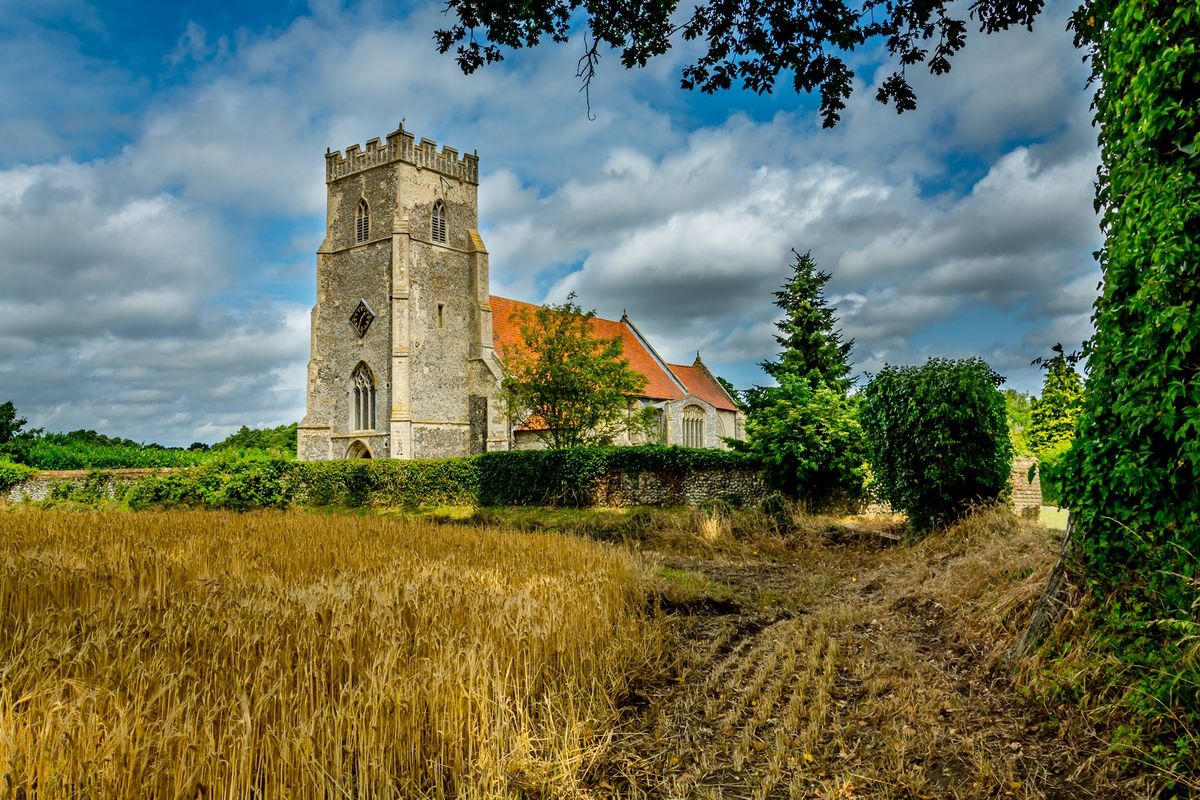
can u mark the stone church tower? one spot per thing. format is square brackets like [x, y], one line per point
[402, 362]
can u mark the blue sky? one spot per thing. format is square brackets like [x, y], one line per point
[161, 200]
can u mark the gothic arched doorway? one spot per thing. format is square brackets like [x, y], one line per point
[358, 449]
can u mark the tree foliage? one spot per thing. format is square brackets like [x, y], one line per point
[811, 346]
[938, 438]
[748, 43]
[1054, 415]
[280, 439]
[808, 441]
[1132, 478]
[10, 423]
[1018, 408]
[570, 387]
[804, 430]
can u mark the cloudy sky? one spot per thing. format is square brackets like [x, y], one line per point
[161, 200]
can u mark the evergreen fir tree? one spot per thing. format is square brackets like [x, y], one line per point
[811, 348]
[804, 430]
[1054, 414]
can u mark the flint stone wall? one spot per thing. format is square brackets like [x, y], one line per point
[618, 488]
[37, 487]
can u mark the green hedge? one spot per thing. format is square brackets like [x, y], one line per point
[529, 477]
[11, 474]
[938, 438]
[568, 477]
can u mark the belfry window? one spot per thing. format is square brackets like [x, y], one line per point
[362, 398]
[693, 426]
[437, 223]
[362, 222]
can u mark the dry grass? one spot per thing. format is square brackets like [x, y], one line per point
[197, 654]
[874, 674]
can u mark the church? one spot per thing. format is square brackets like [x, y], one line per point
[408, 342]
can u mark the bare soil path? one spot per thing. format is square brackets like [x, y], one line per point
[852, 670]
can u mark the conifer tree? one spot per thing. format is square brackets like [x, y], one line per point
[811, 347]
[804, 430]
[1053, 416]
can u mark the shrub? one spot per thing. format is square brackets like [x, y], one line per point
[11, 474]
[809, 442]
[569, 476]
[938, 438]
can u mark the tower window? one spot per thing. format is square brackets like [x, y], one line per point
[362, 222]
[437, 223]
[362, 398]
[441, 316]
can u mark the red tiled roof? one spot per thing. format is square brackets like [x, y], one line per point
[700, 383]
[659, 383]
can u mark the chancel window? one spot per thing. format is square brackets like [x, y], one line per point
[693, 426]
[437, 223]
[362, 398]
[362, 222]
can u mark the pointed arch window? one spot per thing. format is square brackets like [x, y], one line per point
[437, 223]
[362, 222]
[362, 398]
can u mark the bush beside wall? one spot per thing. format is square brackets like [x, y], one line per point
[938, 439]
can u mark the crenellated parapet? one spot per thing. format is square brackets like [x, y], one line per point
[400, 145]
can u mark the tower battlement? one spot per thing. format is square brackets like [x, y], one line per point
[400, 146]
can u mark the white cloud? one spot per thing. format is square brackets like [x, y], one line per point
[129, 304]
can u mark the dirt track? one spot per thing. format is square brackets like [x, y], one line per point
[848, 672]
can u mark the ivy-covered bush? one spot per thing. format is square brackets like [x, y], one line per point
[1132, 478]
[529, 477]
[234, 484]
[386, 482]
[11, 474]
[938, 438]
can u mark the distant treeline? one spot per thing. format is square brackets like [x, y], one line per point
[87, 449]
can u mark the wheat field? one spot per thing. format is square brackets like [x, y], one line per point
[217, 655]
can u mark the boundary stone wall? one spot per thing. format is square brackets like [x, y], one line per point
[38, 486]
[618, 488]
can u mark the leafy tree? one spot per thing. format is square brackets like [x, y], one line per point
[567, 385]
[750, 42]
[10, 423]
[808, 441]
[811, 347]
[938, 438]
[281, 438]
[803, 430]
[1018, 408]
[1055, 413]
